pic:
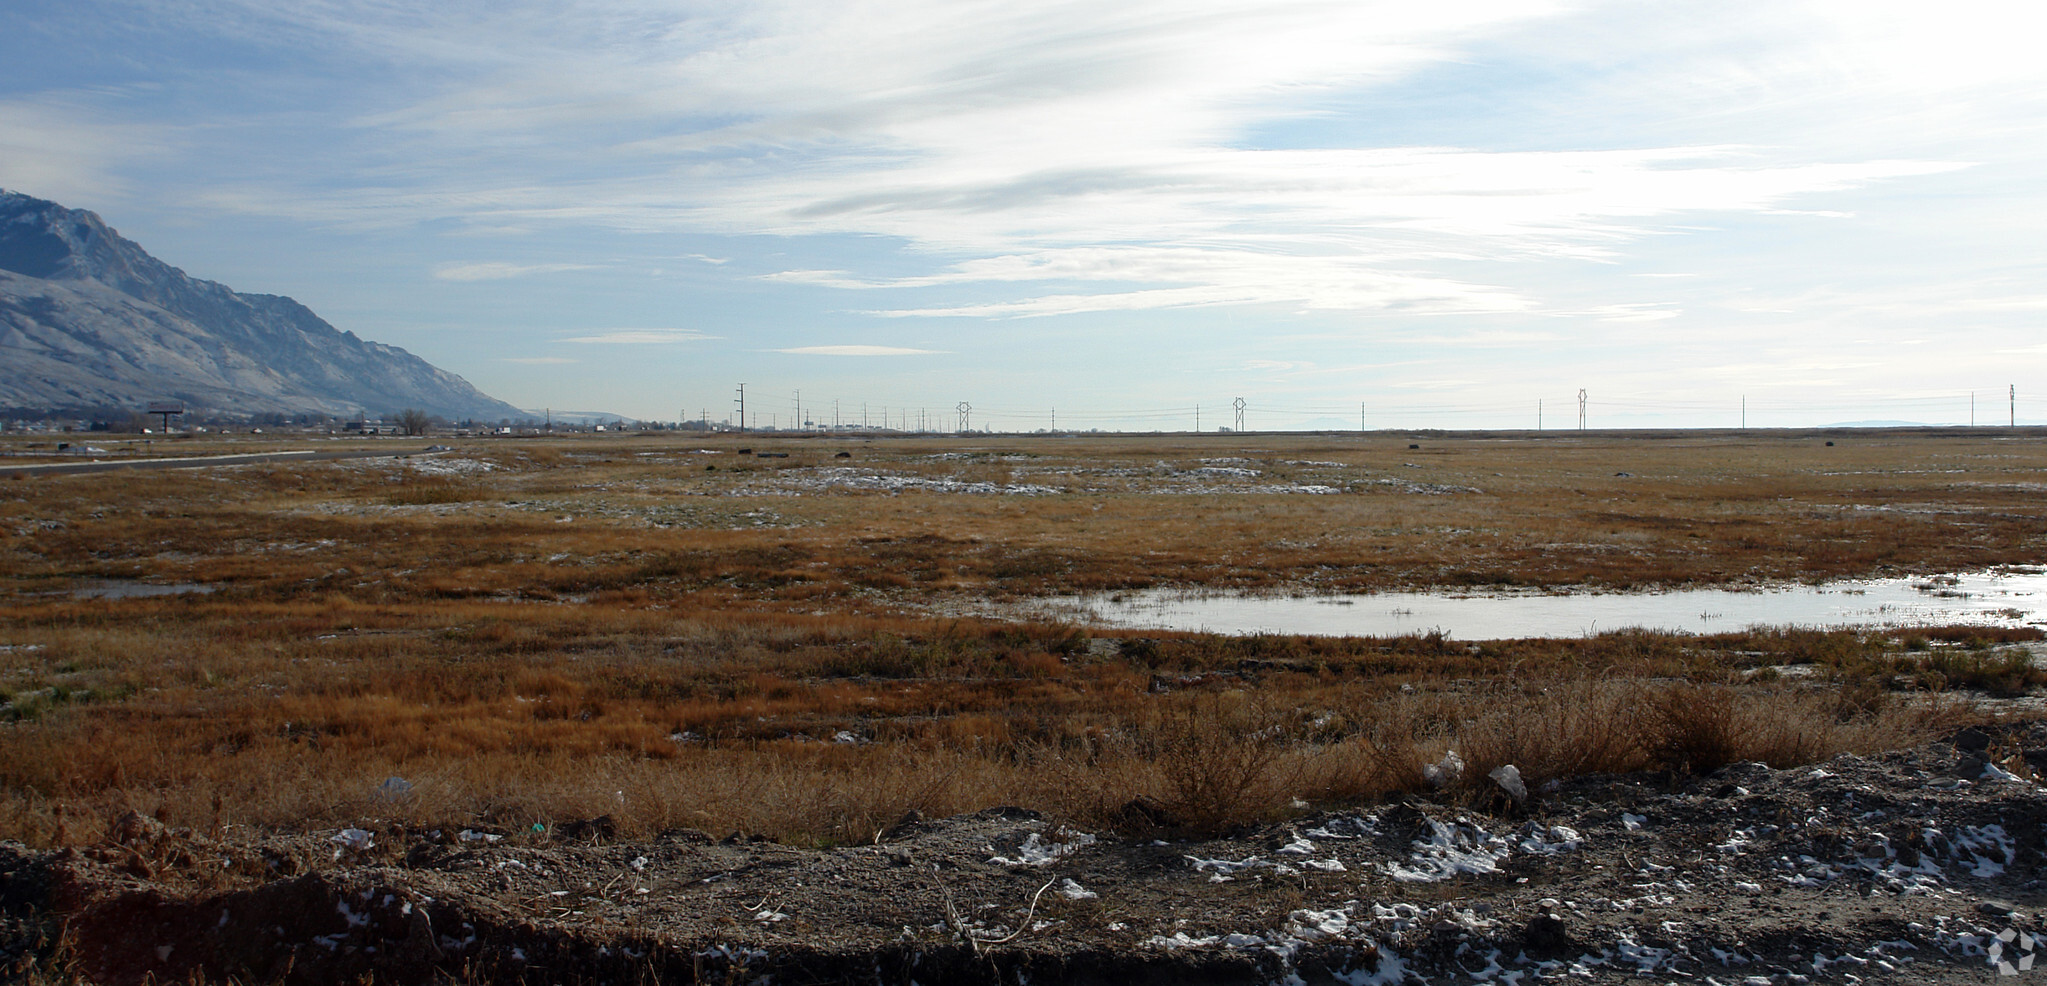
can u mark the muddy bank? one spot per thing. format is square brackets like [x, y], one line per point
[1905, 867]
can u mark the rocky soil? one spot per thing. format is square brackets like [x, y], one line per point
[1919, 866]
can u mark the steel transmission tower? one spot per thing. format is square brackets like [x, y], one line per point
[1239, 405]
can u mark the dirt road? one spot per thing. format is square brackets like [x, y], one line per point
[203, 461]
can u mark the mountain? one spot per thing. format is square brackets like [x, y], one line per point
[89, 321]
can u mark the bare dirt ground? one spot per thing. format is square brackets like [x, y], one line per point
[1905, 867]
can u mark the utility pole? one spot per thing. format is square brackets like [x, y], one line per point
[1538, 414]
[1197, 419]
[741, 401]
[1361, 417]
[1055, 419]
[799, 410]
[2014, 405]
[1972, 409]
[1581, 409]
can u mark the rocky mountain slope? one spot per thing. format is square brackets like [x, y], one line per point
[90, 321]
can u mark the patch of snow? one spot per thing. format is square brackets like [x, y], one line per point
[1450, 850]
[1548, 841]
[1035, 851]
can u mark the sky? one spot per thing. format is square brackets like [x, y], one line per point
[1085, 215]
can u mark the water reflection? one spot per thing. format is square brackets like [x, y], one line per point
[115, 589]
[2009, 597]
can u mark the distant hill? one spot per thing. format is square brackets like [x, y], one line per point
[561, 417]
[89, 321]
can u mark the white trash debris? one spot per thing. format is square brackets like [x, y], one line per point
[1508, 777]
[1074, 891]
[1446, 771]
[356, 839]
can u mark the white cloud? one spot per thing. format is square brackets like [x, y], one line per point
[1637, 312]
[859, 351]
[1078, 143]
[496, 271]
[1523, 174]
[64, 147]
[641, 337]
[538, 360]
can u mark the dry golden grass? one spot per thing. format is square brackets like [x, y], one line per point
[553, 630]
[213, 714]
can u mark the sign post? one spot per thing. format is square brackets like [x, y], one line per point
[166, 409]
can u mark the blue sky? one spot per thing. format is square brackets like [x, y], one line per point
[1449, 214]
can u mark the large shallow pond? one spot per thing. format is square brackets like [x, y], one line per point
[2003, 598]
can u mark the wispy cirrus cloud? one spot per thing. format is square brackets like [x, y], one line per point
[640, 337]
[538, 360]
[68, 146]
[859, 350]
[497, 271]
[1347, 183]
[1034, 142]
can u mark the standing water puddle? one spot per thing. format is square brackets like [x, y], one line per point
[117, 589]
[2006, 598]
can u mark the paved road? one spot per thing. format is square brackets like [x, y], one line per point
[199, 462]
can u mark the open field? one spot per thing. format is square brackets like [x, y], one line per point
[671, 633]
[205, 674]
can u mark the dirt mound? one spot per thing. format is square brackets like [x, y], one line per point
[1907, 867]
